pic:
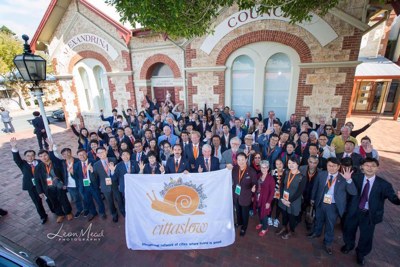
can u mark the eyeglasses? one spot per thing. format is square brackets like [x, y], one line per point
[328, 129]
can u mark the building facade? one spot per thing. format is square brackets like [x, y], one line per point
[251, 62]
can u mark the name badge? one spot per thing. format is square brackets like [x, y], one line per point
[237, 190]
[327, 199]
[49, 181]
[33, 182]
[108, 181]
[277, 194]
[286, 195]
[86, 182]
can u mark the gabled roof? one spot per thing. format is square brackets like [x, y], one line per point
[55, 13]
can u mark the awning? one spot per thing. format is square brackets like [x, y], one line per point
[377, 68]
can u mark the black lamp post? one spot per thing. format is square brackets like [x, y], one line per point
[33, 69]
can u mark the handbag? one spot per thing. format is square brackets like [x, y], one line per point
[310, 214]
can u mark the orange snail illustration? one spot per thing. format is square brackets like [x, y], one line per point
[179, 199]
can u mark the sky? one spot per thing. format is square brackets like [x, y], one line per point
[22, 16]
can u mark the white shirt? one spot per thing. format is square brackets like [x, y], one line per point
[331, 190]
[327, 153]
[371, 183]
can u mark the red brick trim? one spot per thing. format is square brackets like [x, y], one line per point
[149, 64]
[88, 54]
[266, 35]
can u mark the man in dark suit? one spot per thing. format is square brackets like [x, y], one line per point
[226, 137]
[193, 150]
[269, 121]
[206, 162]
[27, 168]
[92, 155]
[238, 130]
[270, 149]
[89, 188]
[110, 119]
[139, 155]
[329, 196]
[349, 152]
[177, 163]
[50, 183]
[366, 209]
[101, 174]
[39, 130]
[125, 166]
[313, 150]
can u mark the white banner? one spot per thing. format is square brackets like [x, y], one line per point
[179, 211]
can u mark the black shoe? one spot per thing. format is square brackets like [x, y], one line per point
[345, 249]
[85, 213]
[328, 250]
[91, 217]
[115, 218]
[44, 220]
[360, 260]
[312, 235]
[242, 232]
[78, 214]
[103, 216]
[3, 212]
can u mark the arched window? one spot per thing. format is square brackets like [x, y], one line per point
[162, 70]
[242, 85]
[98, 75]
[86, 87]
[278, 75]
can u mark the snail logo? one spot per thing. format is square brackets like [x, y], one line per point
[180, 198]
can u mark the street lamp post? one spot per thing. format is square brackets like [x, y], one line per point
[33, 69]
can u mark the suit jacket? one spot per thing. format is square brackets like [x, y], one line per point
[38, 124]
[147, 169]
[26, 170]
[78, 174]
[63, 163]
[266, 122]
[255, 147]
[111, 154]
[110, 119]
[214, 164]
[356, 158]
[41, 176]
[227, 158]
[92, 156]
[341, 190]
[222, 150]
[99, 175]
[248, 180]
[143, 157]
[170, 166]
[223, 141]
[172, 141]
[189, 155]
[322, 162]
[380, 191]
[242, 132]
[120, 171]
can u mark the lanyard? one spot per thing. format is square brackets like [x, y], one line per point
[32, 168]
[270, 151]
[329, 183]
[94, 154]
[311, 176]
[48, 168]
[105, 166]
[70, 164]
[290, 179]
[241, 173]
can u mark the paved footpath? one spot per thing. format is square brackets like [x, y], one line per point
[22, 224]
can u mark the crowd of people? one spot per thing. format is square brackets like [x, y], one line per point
[282, 173]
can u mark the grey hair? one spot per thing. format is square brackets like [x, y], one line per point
[205, 146]
[235, 139]
[345, 127]
[264, 162]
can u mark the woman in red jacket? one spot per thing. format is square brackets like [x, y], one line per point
[265, 194]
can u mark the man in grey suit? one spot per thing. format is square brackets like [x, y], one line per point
[329, 196]
[229, 156]
[101, 174]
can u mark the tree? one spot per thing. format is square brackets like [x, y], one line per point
[4, 29]
[191, 18]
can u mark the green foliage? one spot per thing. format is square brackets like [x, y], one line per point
[6, 30]
[191, 18]
[9, 47]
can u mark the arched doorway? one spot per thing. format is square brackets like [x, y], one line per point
[162, 83]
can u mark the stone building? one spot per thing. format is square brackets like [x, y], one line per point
[251, 62]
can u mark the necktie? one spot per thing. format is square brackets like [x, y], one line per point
[132, 140]
[207, 166]
[84, 170]
[364, 196]
[176, 165]
[195, 152]
[328, 184]
[138, 157]
[127, 167]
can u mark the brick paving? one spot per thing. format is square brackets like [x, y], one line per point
[22, 224]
